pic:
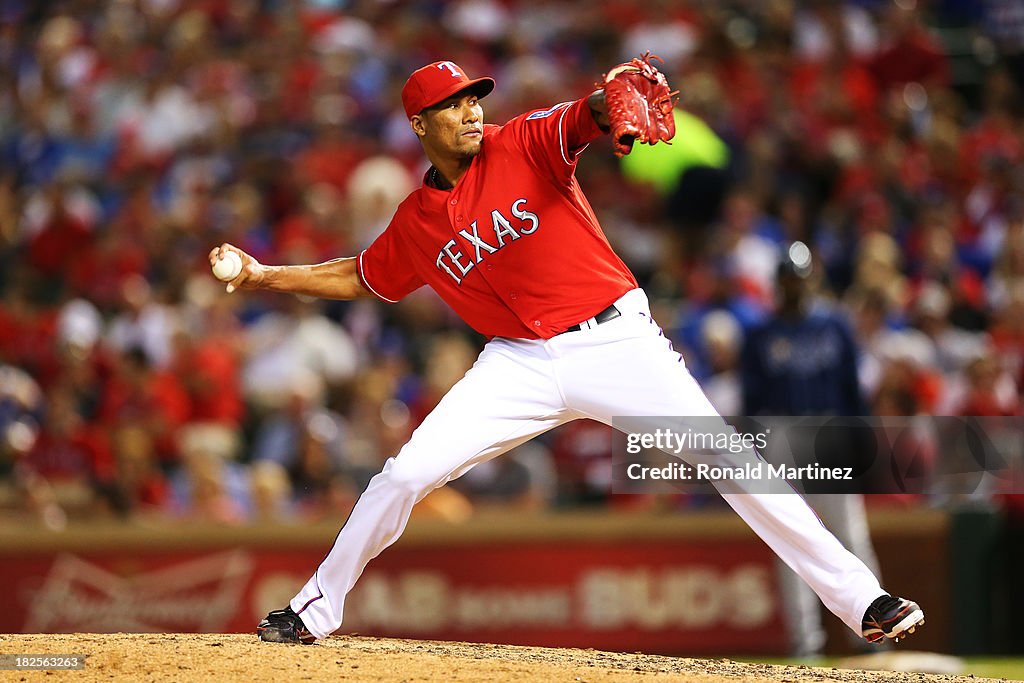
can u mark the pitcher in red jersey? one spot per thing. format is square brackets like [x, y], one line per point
[501, 230]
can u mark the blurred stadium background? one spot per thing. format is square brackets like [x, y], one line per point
[174, 458]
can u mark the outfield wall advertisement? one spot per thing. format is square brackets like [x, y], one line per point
[709, 598]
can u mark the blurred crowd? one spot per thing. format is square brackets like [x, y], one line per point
[137, 134]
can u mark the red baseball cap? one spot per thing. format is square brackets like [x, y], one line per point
[439, 81]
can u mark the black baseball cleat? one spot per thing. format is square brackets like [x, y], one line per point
[890, 617]
[284, 626]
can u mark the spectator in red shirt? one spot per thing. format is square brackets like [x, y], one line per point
[208, 370]
[142, 396]
[908, 53]
[27, 330]
[68, 448]
[140, 485]
[63, 233]
[318, 231]
[990, 390]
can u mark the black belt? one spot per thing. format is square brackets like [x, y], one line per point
[610, 313]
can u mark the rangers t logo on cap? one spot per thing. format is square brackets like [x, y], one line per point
[451, 66]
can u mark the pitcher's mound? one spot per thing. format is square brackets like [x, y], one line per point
[242, 658]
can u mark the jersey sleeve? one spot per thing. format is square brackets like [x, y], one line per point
[553, 138]
[386, 269]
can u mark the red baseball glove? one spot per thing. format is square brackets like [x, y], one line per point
[639, 104]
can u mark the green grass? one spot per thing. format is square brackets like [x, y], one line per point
[1010, 668]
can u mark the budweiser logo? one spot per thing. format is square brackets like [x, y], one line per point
[194, 596]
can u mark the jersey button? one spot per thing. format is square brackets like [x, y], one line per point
[454, 202]
[490, 267]
[458, 219]
[513, 295]
[536, 323]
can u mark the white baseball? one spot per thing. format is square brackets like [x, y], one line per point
[228, 267]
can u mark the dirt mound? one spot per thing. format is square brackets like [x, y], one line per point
[234, 657]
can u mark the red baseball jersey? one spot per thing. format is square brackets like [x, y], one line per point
[514, 248]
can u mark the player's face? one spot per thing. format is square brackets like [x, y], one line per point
[792, 290]
[454, 126]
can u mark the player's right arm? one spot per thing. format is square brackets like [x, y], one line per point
[334, 279]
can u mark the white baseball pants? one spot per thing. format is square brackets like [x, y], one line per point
[518, 389]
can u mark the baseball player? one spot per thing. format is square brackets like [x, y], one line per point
[803, 361]
[501, 230]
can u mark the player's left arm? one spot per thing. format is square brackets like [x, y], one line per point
[553, 138]
[633, 102]
[599, 110]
